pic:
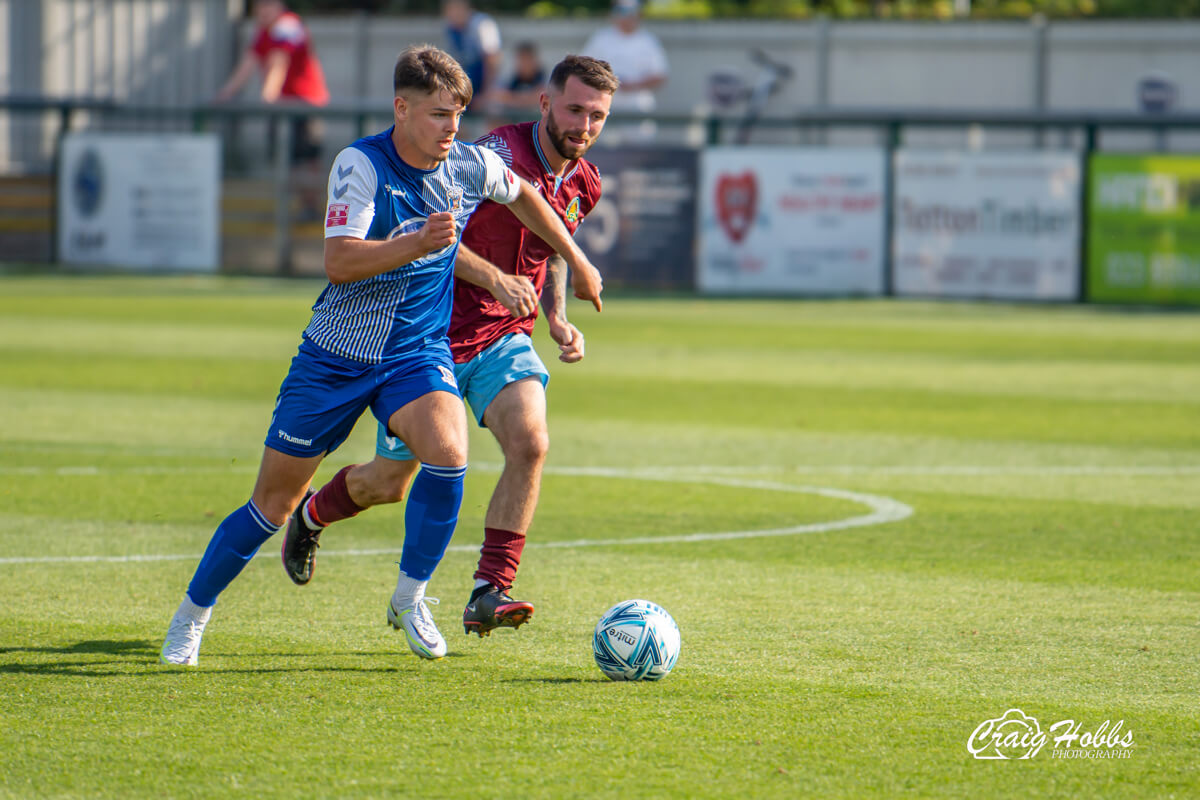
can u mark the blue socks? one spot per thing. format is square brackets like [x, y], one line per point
[430, 518]
[236, 541]
[429, 522]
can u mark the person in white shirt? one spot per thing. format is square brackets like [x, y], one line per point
[639, 61]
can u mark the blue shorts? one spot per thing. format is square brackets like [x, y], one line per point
[508, 360]
[324, 394]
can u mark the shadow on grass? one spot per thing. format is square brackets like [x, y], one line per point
[139, 658]
[549, 681]
[153, 669]
[106, 646]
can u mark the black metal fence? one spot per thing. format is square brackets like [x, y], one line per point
[1079, 131]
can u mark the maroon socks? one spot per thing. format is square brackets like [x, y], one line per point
[333, 502]
[499, 556]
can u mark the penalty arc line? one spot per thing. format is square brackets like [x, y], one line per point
[882, 510]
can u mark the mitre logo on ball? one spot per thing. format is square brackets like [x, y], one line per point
[737, 202]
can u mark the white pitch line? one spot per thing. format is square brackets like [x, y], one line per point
[882, 510]
[902, 469]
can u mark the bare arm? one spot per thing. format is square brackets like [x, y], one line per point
[554, 302]
[237, 79]
[514, 292]
[554, 292]
[348, 259]
[535, 213]
[653, 82]
[274, 75]
[523, 98]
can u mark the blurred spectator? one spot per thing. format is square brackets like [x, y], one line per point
[639, 61]
[282, 50]
[473, 39]
[524, 88]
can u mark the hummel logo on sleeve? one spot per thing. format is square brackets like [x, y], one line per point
[339, 191]
[342, 173]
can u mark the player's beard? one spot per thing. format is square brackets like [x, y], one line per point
[559, 139]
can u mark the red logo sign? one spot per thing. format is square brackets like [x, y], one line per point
[737, 201]
[339, 214]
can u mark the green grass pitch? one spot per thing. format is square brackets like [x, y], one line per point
[1051, 562]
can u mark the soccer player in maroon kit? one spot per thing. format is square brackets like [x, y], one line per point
[502, 270]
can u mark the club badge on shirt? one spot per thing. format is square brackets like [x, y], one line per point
[454, 197]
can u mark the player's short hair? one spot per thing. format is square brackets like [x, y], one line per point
[592, 71]
[426, 69]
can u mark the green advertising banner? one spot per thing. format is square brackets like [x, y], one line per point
[1144, 229]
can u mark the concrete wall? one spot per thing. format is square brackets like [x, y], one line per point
[953, 65]
[1091, 65]
[179, 51]
[142, 51]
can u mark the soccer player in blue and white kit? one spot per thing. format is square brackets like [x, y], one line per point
[377, 339]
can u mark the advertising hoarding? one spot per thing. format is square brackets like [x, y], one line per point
[642, 233]
[140, 200]
[1002, 225]
[791, 221]
[1144, 229]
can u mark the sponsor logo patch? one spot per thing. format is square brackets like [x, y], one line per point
[339, 214]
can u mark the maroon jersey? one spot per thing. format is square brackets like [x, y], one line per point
[304, 79]
[478, 319]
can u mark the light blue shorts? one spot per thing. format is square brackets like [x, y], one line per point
[508, 360]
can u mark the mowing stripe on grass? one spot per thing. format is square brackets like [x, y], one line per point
[654, 473]
[882, 510]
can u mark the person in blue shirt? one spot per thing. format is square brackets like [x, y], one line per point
[377, 339]
[473, 38]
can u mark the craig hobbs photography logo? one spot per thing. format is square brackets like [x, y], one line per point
[1016, 735]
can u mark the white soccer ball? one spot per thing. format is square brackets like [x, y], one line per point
[636, 641]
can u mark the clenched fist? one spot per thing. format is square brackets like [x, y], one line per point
[437, 232]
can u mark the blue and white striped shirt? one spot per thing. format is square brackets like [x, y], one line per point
[373, 194]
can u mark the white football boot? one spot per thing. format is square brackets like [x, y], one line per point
[182, 645]
[422, 634]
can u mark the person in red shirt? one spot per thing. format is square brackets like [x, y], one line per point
[502, 269]
[283, 51]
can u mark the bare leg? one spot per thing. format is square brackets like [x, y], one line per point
[282, 481]
[434, 426]
[380, 481]
[517, 418]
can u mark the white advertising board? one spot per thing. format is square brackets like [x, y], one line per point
[791, 221]
[140, 200]
[999, 225]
